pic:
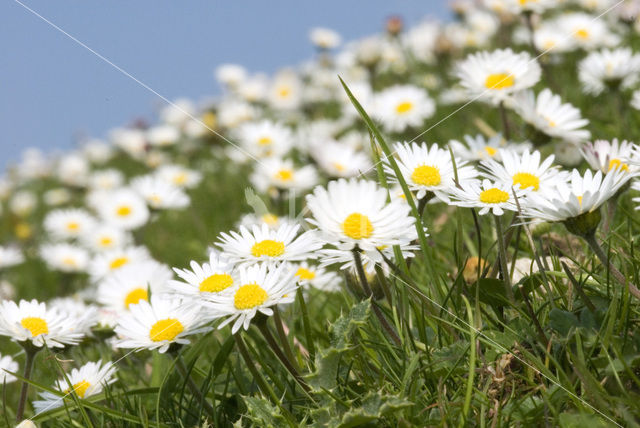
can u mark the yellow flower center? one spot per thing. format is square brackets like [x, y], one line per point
[23, 230]
[134, 296]
[305, 274]
[270, 219]
[249, 296]
[491, 151]
[216, 283]
[209, 119]
[618, 164]
[526, 180]
[119, 262]
[69, 261]
[499, 81]
[404, 107]
[166, 329]
[579, 198]
[268, 247]
[123, 210]
[338, 166]
[285, 174]
[426, 175]
[284, 92]
[582, 33]
[79, 388]
[35, 325]
[73, 225]
[105, 241]
[265, 141]
[493, 196]
[357, 226]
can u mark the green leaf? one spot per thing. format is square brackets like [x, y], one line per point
[263, 413]
[562, 321]
[343, 328]
[581, 420]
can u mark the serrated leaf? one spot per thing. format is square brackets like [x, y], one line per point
[343, 328]
[263, 413]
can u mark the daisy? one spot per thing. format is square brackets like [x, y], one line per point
[478, 147]
[636, 186]
[534, 6]
[179, 176]
[10, 256]
[635, 99]
[524, 171]
[586, 31]
[261, 286]
[339, 159]
[231, 75]
[73, 170]
[281, 174]
[65, 257]
[163, 135]
[269, 245]
[23, 202]
[285, 91]
[110, 261]
[132, 283]
[123, 208]
[273, 221]
[86, 315]
[160, 194]
[582, 194]
[215, 276]
[159, 323]
[602, 155]
[549, 38]
[609, 68]
[55, 197]
[355, 213]
[97, 151]
[403, 106]
[32, 321]
[549, 115]
[68, 224]
[370, 258]
[317, 277]
[132, 141]
[265, 138]
[324, 38]
[107, 179]
[88, 380]
[105, 237]
[428, 169]
[7, 364]
[488, 196]
[495, 75]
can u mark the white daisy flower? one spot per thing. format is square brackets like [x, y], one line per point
[550, 38]
[524, 171]
[338, 159]
[56, 197]
[7, 364]
[581, 194]
[65, 257]
[635, 99]
[317, 277]
[281, 174]
[160, 194]
[609, 68]
[324, 38]
[403, 106]
[32, 321]
[428, 169]
[68, 223]
[73, 170]
[265, 138]
[88, 380]
[273, 221]
[105, 237]
[163, 135]
[123, 208]
[215, 276]
[110, 261]
[97, 151]
[549, 115]
[23, 202]
[261, 286]
[602, 155]
[533, 6]
[159, 323]
[106, 179]
[86, 315]
[493, 76]
[231, 75]
[132, 141]
[370, 258]
[10, 256]
[587, 31]
[268, 245]
[488, 196]
[285, 91]
[179, 176]
[356, 213]
[132, 283]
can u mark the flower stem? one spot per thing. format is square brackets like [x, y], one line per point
[193, 387]
[505, 121]
[365, 286]
[597, 249]
[504, 267]
[30, 353]
[283, 337]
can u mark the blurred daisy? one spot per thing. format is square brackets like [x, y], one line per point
[159, 323]
[478, 147]
[7, 364]
[549, 115]
[105, 237]
[32, 321]
[340, 160]
[324, 38]
[132, 283]
[586, 31]
[86, 316]
[524, 171]
[179, 176]
[274, 173]
[88, 380]
[10, 256]
[269, 245]
[265, 138]
[609, 68]
[215, 276]
[428, 169]
[603, 155]
[273, 221]
[160, 194]
[487, 196]
[107, 179]
[68, 223]
[532, 6]
[261, 286]
[356, 213]
[403, 106]
[65, 257]
[285, 91]
[55, 197]
[636, 186]
[317, 277]
[110, 261]
[635, 99]
[231, 75]
[495, 75]
[163, 135]
[123, 208]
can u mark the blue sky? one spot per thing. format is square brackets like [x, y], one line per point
[53, 91]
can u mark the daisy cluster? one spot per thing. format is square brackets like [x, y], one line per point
[328, 198]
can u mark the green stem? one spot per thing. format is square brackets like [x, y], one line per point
[472, 365]
[503, 259]
[30, 353]
[284, 340]
[193, 387]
